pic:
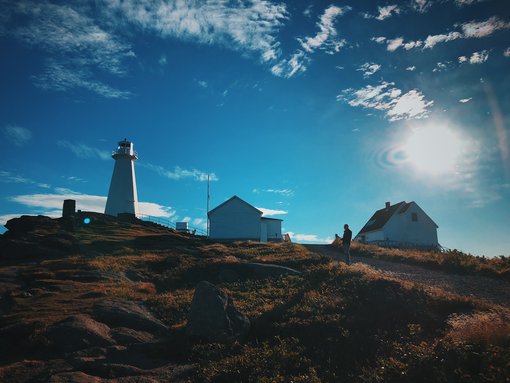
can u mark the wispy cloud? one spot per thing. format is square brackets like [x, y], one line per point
[442, 66]
[84, 151]
[368, 69]
[76, 44]
[469, 30]
[63, 77]
[385, 97]
[461, 3]
[506, 52]
[464, 100]
[9, 177]
[282, 192]
[17, 135]
[475, 58]
[384, 12]
[270, 212]
[178, 173]
[421, 6]
[411, 68]
[243, 26]
[326, 39]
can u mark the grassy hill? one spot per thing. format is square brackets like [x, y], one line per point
[328, 323]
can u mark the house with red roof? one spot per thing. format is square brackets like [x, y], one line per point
[404, 224]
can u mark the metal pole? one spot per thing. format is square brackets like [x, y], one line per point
[208, 199]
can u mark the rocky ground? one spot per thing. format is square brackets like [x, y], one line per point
[135, 302]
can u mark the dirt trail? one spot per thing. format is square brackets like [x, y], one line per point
[491, 289]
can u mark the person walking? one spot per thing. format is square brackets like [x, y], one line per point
[346, 243]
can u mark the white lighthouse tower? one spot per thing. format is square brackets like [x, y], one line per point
[122, 197]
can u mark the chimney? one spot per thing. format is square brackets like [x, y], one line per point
[387, 205]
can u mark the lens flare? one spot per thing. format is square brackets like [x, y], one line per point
[86, 221]
[434, 149]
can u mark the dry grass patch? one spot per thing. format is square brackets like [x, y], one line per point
[487, 327]
[124, 263]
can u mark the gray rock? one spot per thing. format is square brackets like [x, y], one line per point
[127, 336]
[74, 377]
[128, 314]
[78, 332]
[213, 316]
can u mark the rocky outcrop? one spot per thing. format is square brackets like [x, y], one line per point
[78, 332]
[128, 314]
[213, 316]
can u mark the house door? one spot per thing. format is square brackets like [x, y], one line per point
[263, 232]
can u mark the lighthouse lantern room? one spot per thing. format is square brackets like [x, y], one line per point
[122, 196]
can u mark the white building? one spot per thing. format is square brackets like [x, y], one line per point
[402, 224]
[237, 220]
[122, 196]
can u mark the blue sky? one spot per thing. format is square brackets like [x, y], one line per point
[317, 112]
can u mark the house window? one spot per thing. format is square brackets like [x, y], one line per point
[414, 217]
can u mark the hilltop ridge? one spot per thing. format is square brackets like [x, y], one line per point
[111, 301]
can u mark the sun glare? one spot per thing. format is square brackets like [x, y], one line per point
[434, 149]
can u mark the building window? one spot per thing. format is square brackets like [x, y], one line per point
[414, 217]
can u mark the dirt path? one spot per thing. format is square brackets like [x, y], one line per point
[494, 290]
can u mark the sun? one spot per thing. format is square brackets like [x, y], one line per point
[434, 149]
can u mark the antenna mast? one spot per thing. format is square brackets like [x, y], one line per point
[208, 199]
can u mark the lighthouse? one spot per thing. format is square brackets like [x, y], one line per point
[122, 196]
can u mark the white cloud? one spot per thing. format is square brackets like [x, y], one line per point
[410, 105]
[411, 68]
[312, 238]
[179, 173]
[84, 151]
[270, 212]
[385, 97]
[506, 53]
[326, 39]
[464, 100]
[462, 59]
[442, 66]
[17, 135]
[485, 28]
[394, 44]
[387, 11]
[282, 192]
[368, 69]
[469, 30]
[421, 5]
[379, 39]
[243, 26]
[479, 57]
[85, 202]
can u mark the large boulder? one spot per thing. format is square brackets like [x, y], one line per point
[78, 332]
[213, 316]
[128, 314]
